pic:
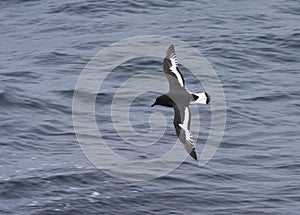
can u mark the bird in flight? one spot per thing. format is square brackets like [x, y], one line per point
[179, 98]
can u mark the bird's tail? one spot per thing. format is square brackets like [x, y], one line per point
[201, 98]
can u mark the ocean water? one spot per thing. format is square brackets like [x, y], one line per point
[254, 47]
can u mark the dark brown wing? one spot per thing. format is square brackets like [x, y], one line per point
[182, 121]
[171, 70]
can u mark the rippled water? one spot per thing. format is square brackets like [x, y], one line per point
[254, 47]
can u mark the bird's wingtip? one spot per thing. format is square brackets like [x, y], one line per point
[171, 46]
[193, 154]
[170, 50]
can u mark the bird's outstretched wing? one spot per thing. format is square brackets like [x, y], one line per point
[182, 123]
[171, 70]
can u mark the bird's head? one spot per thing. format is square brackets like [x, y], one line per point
[163, 100]
[156, 102]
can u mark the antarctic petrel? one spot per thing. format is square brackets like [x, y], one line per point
[179, 98]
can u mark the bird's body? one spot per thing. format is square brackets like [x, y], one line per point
[179, 98]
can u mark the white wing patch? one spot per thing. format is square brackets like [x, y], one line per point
[173, 68]
[173, 59]
[184, 126]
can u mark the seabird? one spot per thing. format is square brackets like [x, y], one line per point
[179, 98]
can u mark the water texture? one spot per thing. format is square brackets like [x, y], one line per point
[253, 46]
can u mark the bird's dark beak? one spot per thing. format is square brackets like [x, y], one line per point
[153, 104]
